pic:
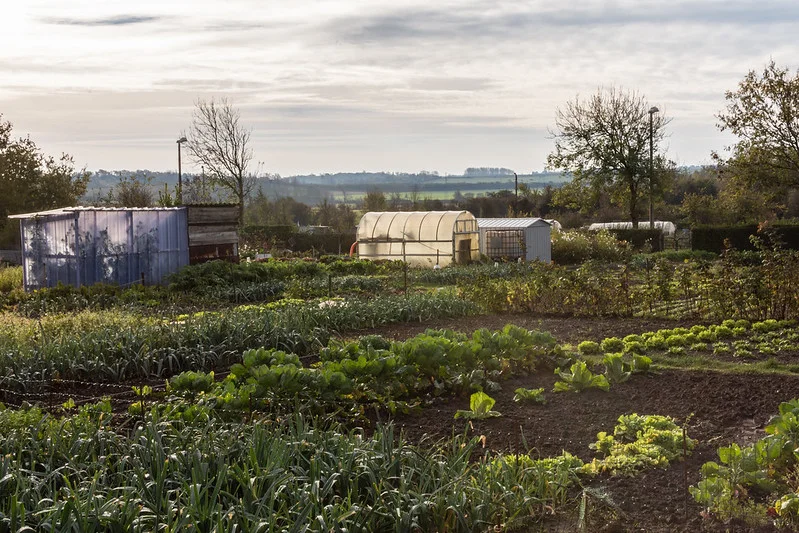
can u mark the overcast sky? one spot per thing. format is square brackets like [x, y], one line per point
[350, 85]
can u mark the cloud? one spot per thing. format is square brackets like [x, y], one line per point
[463, 23]
[450, 83]
[118, 20]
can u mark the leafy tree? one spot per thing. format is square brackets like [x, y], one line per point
[604, 143]
[31, 181]
[132, 191]
[734, 203]
[281, 211]
[340, 217]
[374, 200]
[764, 113]
[221, 145]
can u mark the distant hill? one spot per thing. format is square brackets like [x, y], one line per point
[313, 188]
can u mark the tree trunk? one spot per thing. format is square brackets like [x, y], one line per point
[633, 204]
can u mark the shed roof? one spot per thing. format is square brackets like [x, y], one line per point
[510, 223]
[67, 210]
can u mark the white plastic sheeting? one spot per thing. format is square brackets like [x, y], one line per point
[514, 238]
[83, 246]
[667, 228]
[420, 238]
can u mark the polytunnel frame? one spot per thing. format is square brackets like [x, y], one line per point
[458, 228]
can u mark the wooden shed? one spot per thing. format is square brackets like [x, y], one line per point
[213, 232]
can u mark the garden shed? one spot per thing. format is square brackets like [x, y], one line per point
[420, 238]
[516, 238]
[86, 245]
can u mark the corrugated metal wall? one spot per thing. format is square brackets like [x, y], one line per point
[122, 246]
[48, 253]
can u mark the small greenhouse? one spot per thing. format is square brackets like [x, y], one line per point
[420, 238]
[86, 245]
[516, 238]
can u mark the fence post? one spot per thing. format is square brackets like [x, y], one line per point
[405, 277]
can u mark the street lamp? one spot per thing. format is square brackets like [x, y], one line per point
[180, 174]
[652, 111]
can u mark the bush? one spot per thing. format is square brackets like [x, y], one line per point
[10, 278]
[578, 246]
[712, 238]
[680, 256]
[641, 239]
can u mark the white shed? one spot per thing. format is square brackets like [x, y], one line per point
[514, 238]
[420, 238]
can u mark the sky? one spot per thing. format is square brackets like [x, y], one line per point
[352, 85]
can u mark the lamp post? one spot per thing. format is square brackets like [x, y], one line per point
[180, 173]
[652, 111]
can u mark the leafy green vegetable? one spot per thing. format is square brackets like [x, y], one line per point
[480, 404]
[529, 395]
[641, 364]
[580, 378]
[616, 370]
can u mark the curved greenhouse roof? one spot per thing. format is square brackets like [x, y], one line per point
[667, 228]
[421, 238]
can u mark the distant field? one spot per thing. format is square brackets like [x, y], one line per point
[446, 194]
[429, 195]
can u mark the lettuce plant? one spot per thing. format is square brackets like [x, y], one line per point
[641, 364]
[580, 378]
[480, 405]
[589, 348]
[616, 370]
[612, 345]
[529, 395]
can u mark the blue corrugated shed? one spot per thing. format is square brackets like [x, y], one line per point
[86, 245]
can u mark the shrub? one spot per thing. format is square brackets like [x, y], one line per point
[10, 278]
[577, 246]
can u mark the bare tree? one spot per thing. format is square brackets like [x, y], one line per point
[221, 145]
[604, 142]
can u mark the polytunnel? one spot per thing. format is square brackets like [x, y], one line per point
[420, 238]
